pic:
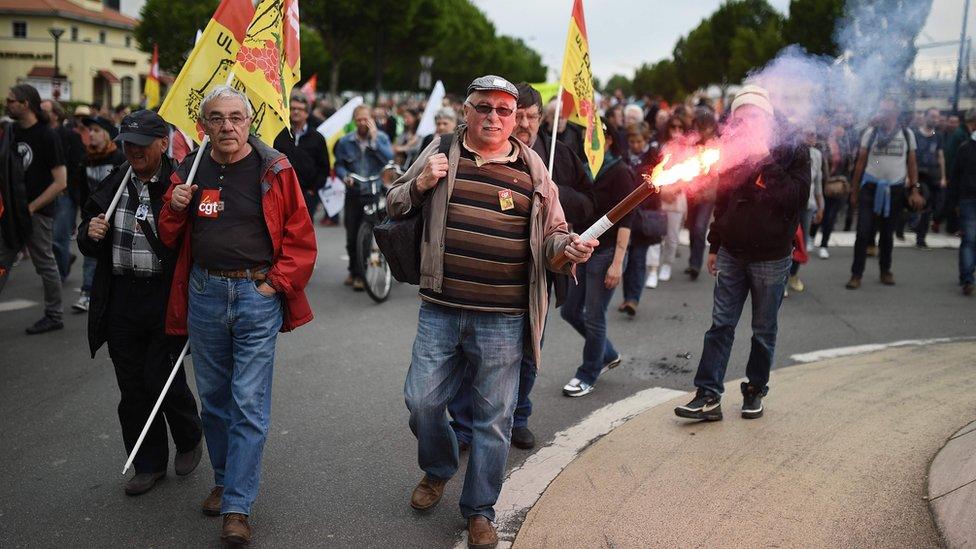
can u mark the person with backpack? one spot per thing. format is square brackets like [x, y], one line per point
[885, 175]
[44, 177]
[757, 211]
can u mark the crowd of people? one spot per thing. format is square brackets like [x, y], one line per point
[223, 260]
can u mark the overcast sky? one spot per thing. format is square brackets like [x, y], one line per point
[626, 33]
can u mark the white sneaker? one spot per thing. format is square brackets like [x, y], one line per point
[651, 279]
[809, 243]
[665, 273]
[576, 388]
[824, 254]
[81, 306]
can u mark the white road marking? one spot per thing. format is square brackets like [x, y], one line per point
[525, 484]
[826, 354]
[16, 304]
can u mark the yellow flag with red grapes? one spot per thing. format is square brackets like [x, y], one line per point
[268, 65]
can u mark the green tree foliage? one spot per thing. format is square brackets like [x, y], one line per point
[173, 25]
[661, 78]
[811, 24]
[753, 48]
[619, 82]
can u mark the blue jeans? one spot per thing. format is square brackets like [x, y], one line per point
[88, 273]
[585, 310]
[967, 247]
[233, 330]
[699, 216]
[738, 279]
[64, 225]
[449, 343]
[636, 273]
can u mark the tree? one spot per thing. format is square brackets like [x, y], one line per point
[661, 78]
[812, 25]
[752, 49]
[621, 82]
[172, 24]
[338, 25]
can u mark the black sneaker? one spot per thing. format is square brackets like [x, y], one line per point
[705, 406]
[46, 324]
[523, 438]
[752, 396]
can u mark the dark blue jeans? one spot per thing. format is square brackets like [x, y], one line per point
[585, 310]
[65, 216]
[699, 216]
[460, 407]
[635, 273]
[737, 280]
[449, 343]
[832, 207]
[233, 331]
[967, 247]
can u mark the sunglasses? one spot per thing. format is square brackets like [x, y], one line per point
[484, 109]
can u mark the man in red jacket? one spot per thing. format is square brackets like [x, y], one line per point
[247, 249]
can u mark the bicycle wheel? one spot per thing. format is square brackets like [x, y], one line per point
[376, 271]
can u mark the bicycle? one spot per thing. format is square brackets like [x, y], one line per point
[377, 278]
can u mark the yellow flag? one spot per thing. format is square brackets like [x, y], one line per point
[151, 90]
[208, 66]
[268, 65]
[577, 81]
[547, 90]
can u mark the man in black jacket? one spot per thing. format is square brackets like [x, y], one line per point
[962, 193]
[578, 202]
[757, 212]
[306, 150]
[128, 303]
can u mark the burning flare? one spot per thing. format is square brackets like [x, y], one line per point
[684, 171]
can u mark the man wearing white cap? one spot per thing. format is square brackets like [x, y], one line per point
[756, 215]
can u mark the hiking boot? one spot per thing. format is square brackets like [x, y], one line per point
[968, 289]
[358, 284]
[481, 533]
[142, 483]
[185, 463]
[523, 438]
[427, 493]
[854, 283]
[236, 530]
[704, 407]
[83, 303]
[888, 279]
[577, 388]
[752, 396]
[46, 324]
[211, 505]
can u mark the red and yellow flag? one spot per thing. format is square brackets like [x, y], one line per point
[151, 90]
[268, 65]
[578, 104]
[308, 89]
[208, 65]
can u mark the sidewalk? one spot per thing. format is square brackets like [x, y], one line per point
[840, 459]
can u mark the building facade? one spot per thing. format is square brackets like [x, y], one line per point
[98, 58]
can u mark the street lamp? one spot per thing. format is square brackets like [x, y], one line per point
[56, 85]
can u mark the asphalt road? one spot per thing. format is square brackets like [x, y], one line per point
[340, 462]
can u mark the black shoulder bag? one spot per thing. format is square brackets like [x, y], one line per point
[399, 239]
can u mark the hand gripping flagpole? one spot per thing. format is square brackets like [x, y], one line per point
[186, 346]
[118, 196]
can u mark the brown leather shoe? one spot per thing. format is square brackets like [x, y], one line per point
[427, 494]
[888, 279]
[236, 531]
[854, 283]
[211, 505]
[481, 533]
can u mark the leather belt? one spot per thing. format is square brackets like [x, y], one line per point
[250, 274]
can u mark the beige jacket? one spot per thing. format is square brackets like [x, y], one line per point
[548, 233]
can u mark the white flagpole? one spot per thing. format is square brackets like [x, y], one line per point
[118, 195]
[186, 347]
[555, 127]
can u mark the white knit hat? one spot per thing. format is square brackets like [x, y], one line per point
[753, 95]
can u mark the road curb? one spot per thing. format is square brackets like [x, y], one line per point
[952, 489]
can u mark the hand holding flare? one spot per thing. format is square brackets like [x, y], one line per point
[662, 176]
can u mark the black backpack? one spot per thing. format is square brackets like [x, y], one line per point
[399, 239]
[15, 224]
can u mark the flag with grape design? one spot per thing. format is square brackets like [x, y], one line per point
[268, 65]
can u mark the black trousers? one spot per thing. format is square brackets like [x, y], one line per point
[352, 214]
[868, 223]
[143, 358]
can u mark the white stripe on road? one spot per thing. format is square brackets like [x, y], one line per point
[838, 352]
[16, 304]
[525, 484]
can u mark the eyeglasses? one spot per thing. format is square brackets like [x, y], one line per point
[217, 121]
[485, 109]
